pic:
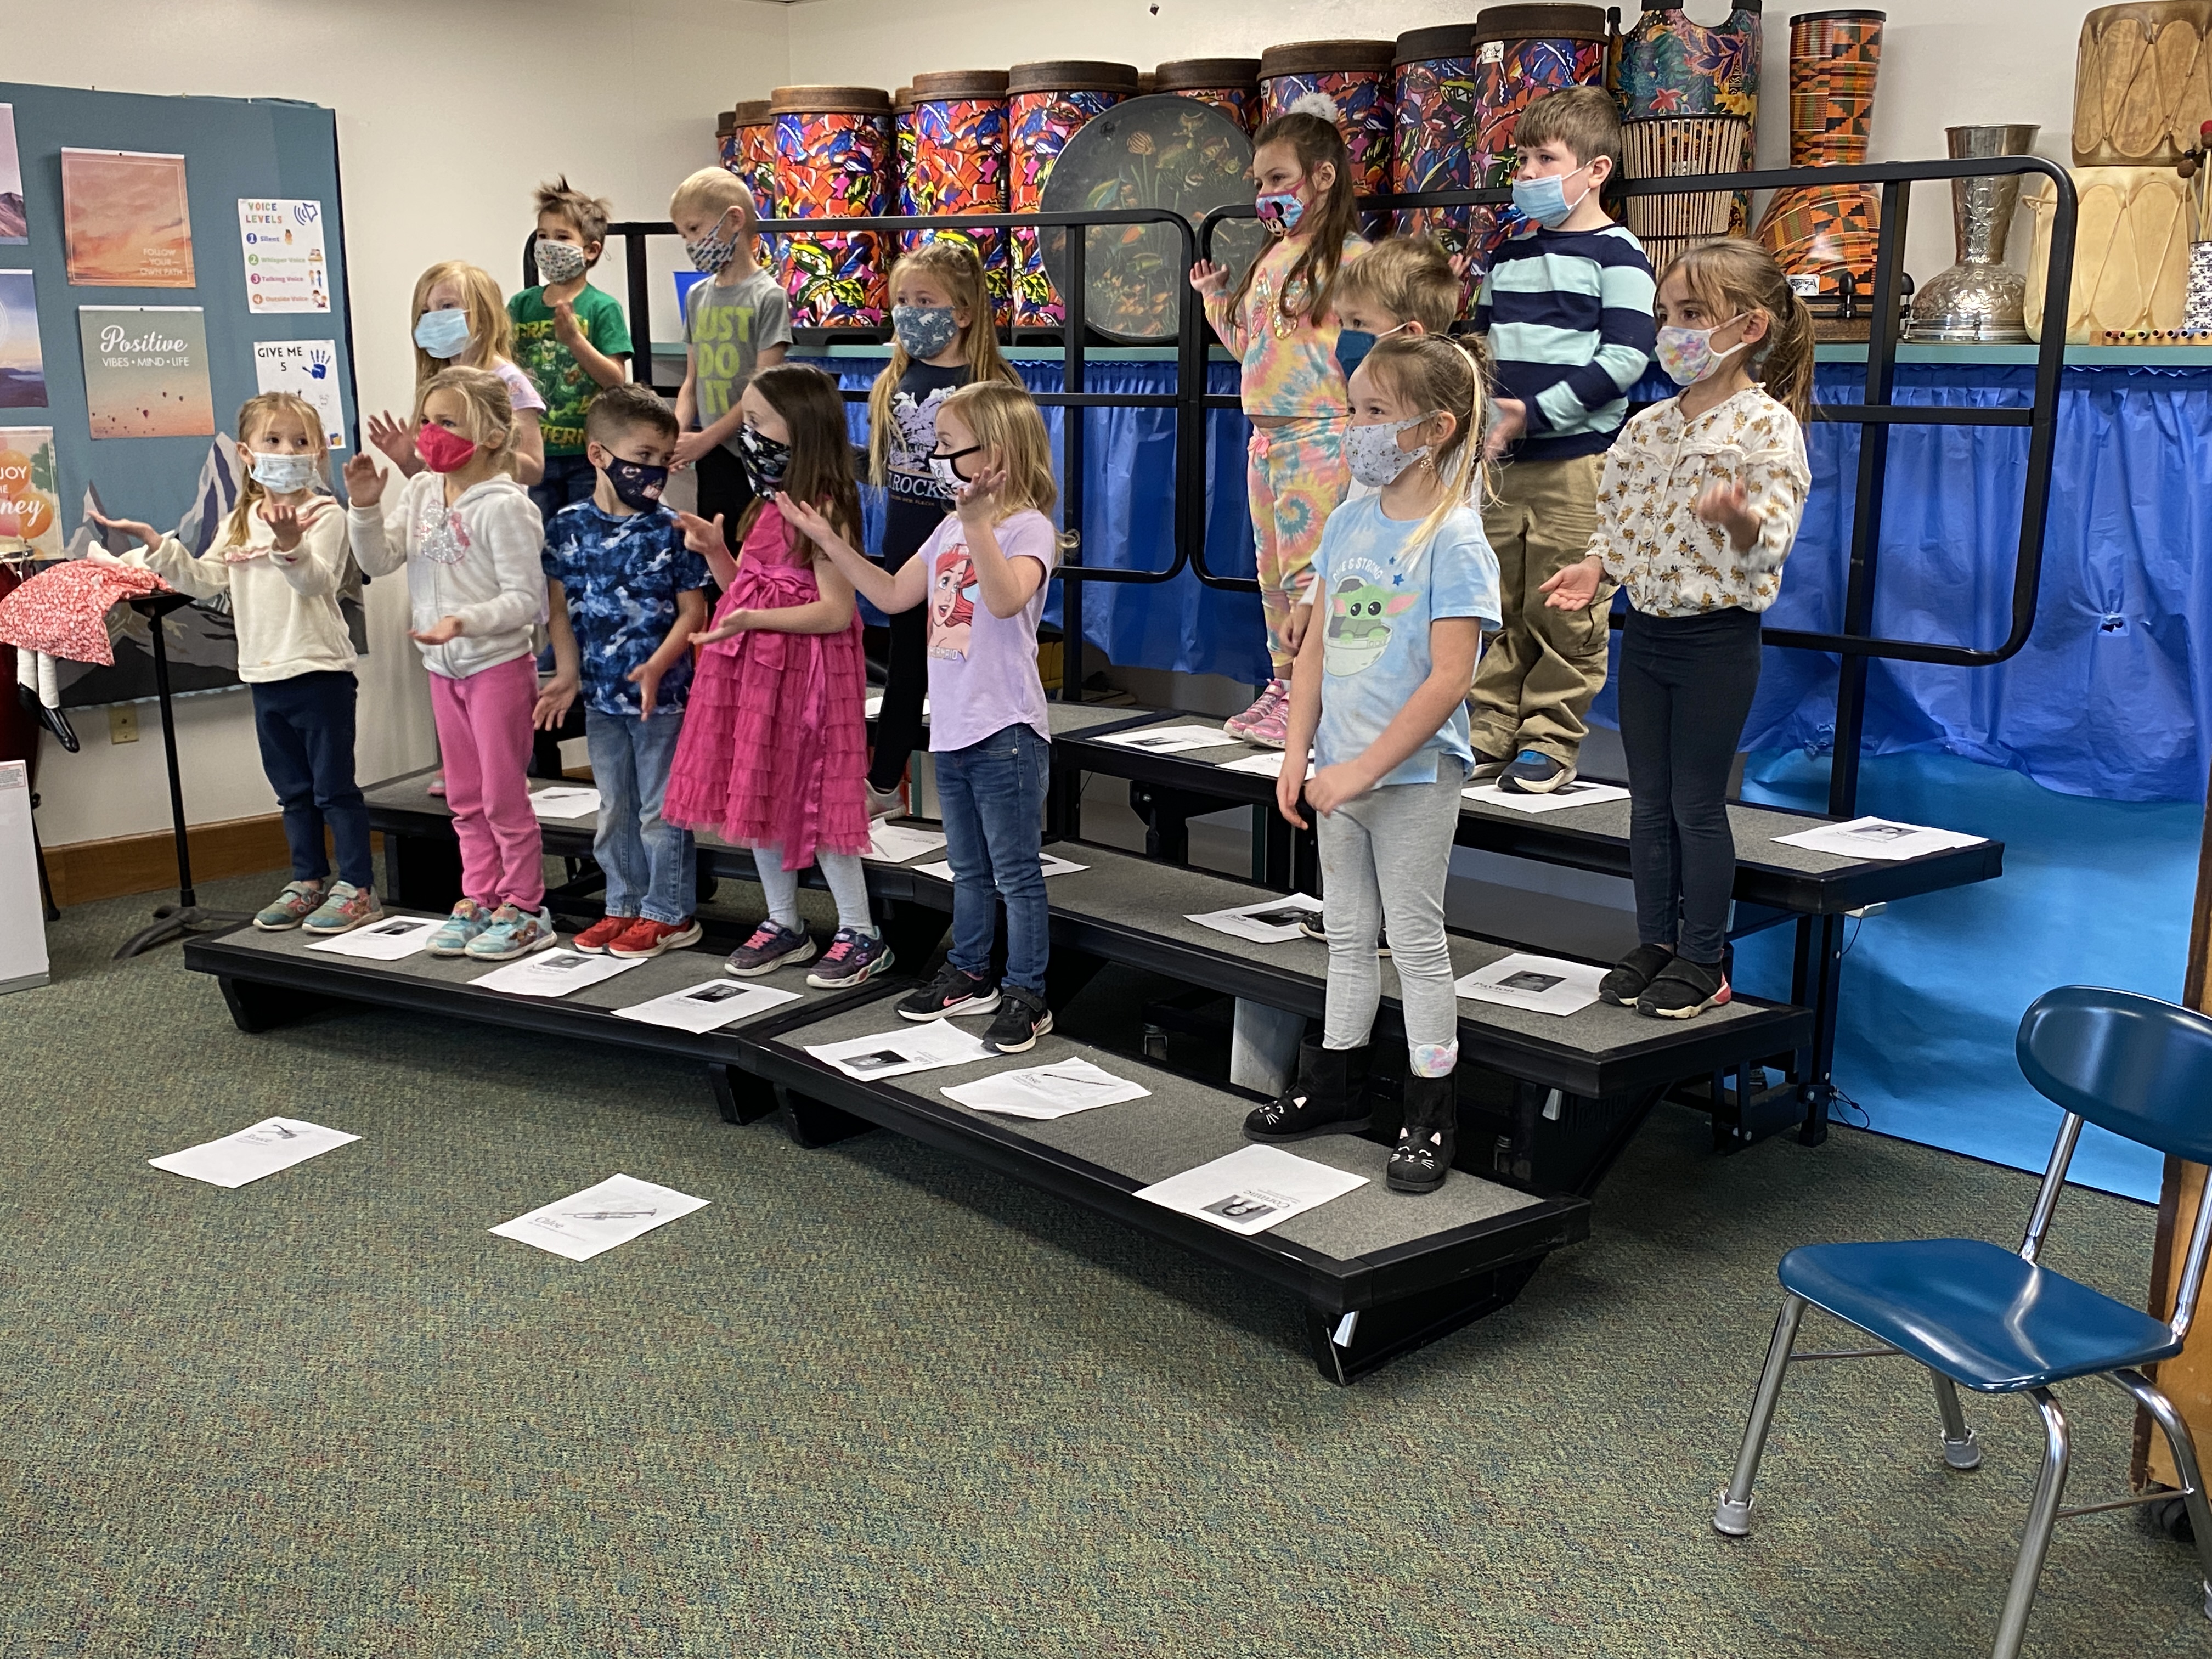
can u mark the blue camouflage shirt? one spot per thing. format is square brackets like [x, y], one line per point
[622, 576]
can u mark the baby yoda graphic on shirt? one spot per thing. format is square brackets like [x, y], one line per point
[1359, 622]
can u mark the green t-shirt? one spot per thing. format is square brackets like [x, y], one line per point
[554, 370]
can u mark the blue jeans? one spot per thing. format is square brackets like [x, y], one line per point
[649, 865]
[305, 728]
[991, 795]
[568, 479]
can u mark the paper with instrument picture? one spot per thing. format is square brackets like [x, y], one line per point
[620, 1208]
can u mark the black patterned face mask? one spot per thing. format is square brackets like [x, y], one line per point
[766, 460]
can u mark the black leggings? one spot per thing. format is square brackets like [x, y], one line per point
[1686, 689]
[906, 526]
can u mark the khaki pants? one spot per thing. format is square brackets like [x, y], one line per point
[1537, 679]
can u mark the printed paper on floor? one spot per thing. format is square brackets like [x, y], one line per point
[1543, 984]
[389, 940]
[617, 1210]
[895, 843]
[1580, 793]
[553, 973]
[1171, 740]
[1271, 921]
[273, 1144]
[895, 1053]
[1878, 838]
[1251, 1189]
[1044, 1092]
[564, 801]
[707, 1006]
[1049, 864]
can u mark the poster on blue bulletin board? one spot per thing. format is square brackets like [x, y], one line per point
[162, 261]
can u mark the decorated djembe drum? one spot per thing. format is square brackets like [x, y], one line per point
[1231, 85]
[1047, 104]
[959, 166]
[834, 160]
[725, 142]
[756, 134]
[1435, 120]
[902, 148]
[1522, 53]
[1825, 236]
[1356, 76]
[1689, 94]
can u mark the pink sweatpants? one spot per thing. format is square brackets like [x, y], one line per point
[483, 730]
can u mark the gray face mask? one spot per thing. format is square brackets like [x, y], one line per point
[559, 262]
[924, 331]
[1372, 451]
[715, 250]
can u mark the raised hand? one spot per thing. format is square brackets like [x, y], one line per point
[564, 323]
[144, 532]
[804, 517]
[394, 438]
[284, 522]
[976, 499]
[1211, 280]
[364, 481]
[701, 537]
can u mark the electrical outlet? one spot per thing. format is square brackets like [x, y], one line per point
[123, 722]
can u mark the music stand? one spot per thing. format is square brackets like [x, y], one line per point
[173, 922]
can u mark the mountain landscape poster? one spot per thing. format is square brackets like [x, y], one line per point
[23, 366]
[15, 226]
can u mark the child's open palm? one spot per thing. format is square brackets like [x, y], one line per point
[284, 522]
[977, 500]
[729, 627]
[364, 481]
[144, 532]
[802, 516]
[1574, 588]
[391, 436]
[701, 537]
[1209, 279]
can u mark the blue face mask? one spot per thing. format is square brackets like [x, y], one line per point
[1545, 200]
[1353, 345]
[442, 333]
[284, 474]
[1279, 210]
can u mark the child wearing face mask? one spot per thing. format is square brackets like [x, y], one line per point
[624, 594]
[461, 323]
[283, 560]
[470, 538]
[570, 337]
[1279, 319]
[1700, 504]
[736, 323]
[1404, 586]
[1403, 287]
[1567, 307]
[943, 340]
[773, 752]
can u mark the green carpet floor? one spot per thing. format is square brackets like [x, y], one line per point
[875, 1402]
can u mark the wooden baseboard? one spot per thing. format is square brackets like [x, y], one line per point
[86, 871]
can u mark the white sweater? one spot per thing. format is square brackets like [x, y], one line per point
[479, 559]
[285, 605]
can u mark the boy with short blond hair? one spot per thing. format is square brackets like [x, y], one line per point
[570, 337]
[736, 323]
[1566, 306]
[1402, 282]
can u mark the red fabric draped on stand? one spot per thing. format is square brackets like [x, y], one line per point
[63, 611]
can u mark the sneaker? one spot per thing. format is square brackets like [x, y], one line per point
[1535, 773]
[601, 934]
[347, 908]
[294, 906]
[1022, 1018]
[886, 803]
[436, 786]
[1272, 730]
[771, 946]
[1328, 1098]
[1239, 726]
[854, 958]
[513, 932]
[952, 992]
[1488, 766]
[459, 930]
[647, 937]
[1683, 990]
[1632, 974]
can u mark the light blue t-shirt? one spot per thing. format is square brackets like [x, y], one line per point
[1379, 592]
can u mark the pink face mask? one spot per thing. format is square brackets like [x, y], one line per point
[442, 451]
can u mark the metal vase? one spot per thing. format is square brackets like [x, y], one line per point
[1980, 298]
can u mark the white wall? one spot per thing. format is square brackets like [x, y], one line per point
[622, 95]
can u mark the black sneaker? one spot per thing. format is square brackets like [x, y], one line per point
[1328, 1098]
[1022, 1018]
[952, 992]
[1632, 974]
[1683, 990]
[1535, 774]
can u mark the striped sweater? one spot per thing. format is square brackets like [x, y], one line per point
[1569, 317]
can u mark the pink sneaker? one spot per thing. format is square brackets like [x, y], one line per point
[1272, 729]
[1273, 694]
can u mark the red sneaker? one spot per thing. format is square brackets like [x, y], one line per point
[603, 932]
[645, 938]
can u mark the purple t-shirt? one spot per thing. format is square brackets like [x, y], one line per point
[982, 668]
[522, 390]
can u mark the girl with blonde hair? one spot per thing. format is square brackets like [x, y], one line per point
[460, 321]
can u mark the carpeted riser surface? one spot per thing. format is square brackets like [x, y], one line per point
[873, 1401]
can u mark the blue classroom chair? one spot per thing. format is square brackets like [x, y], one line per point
[1991, 1319]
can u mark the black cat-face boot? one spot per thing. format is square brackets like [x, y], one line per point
[1425, 1147]
[1328, 1098]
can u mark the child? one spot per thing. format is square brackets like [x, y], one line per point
[624, 595]
[283, 559]
[471, 539]
[982, 573]
[941, 319]
[460, 322]
[1567, 306]
[735, 325]
[1699, 507]
[569, 339]
[773, 751]
[1278, 320]
[1403, 284]
[1406, 583]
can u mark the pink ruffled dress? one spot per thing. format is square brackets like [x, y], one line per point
[774, 749]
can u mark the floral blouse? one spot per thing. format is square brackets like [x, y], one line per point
[1649, 534]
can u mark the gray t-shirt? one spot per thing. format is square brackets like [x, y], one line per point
[728, 326]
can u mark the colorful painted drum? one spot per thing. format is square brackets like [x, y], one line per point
[1356, 77]
[902, 147]
[1046, 104]
[1522, 52]
[756, 128]
[1670, 67]
[1826, 235]
[959, 166]
[833, 160]
[725, 142]
[1231, 85]
[1436, 111]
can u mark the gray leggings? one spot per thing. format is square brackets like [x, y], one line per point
[1385, 857]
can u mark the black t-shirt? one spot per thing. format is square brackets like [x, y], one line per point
[921, 390]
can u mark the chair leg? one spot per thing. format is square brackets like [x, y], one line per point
[1732, 1517]
[2042, 1516]
[2183, 1444]
[1960, 1449]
